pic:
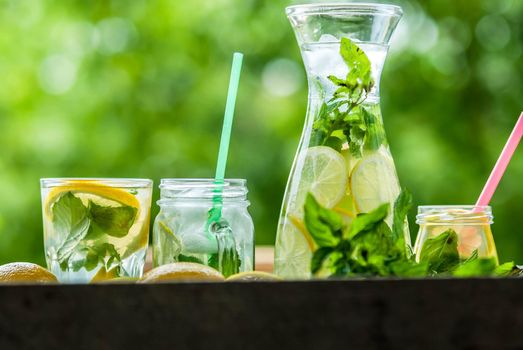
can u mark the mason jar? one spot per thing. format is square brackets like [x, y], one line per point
[471, 224]
[206, 222]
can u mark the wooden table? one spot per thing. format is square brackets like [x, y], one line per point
[364, 314]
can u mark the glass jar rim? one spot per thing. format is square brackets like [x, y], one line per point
[202, 189]
[454, 214]
[112, 182]
[339, 8]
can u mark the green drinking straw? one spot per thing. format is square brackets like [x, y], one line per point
[228, 117]
[219, 178]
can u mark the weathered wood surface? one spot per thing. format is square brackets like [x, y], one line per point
[373, 314]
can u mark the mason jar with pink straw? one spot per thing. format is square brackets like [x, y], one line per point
[470, 223]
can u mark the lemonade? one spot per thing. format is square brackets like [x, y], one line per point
[95, 229]
[343, 159]
[471, 225]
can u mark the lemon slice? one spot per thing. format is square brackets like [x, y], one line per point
[374, 182]
[293, 252]
[324, 174]
[182, 271]
[93, 188]
[300, 225]
[103, 275]
[22, 272]
[350, 160]
[346, 206]
[253, 276]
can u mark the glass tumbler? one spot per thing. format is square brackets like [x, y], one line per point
[95, 229]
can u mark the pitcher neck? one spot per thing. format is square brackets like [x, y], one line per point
[360, 22]
[323, 62]
[320, 30]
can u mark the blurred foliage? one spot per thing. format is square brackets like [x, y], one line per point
[137, 89]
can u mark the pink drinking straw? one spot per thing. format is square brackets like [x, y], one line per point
[501, 164]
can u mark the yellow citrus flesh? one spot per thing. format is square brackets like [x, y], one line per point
[299, 224]
[253, 276]
[140, 241]
[324, 174]
[91, 187]
[293, 256]
[374, 182]
[346, 206]
[182, 271]
[22, 272]
[104, 275]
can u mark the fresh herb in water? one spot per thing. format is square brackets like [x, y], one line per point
[82, 229]
[343, 118]
[369, 247]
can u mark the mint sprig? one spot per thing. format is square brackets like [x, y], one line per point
[71, 221]
[113, 221]
[343, 118]
[442, 256]
[82, 230]
[369, 247]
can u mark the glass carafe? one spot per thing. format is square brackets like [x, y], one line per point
[343, 158]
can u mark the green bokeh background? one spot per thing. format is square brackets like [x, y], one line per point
[137, 89]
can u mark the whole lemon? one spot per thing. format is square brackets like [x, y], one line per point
[23, 272]
[182, 271]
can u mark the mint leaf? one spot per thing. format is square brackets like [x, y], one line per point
[402, 206]
[358, 64]
[334, 142]
[356, 138]
[472, 257]
[114, 221]
[372, 248]
[367, 222]
[70, 222]
[409, 268]
[504, 269]
[476, 267]
[375, 134]
[318, 257]
[509, 269]
[94, 255]
[441, 252]
[108, 255]
[337, 264]
[324, 225]
[337, 81]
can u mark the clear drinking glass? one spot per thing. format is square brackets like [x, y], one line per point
[471, 224]
[205, 222]
[343, 158]
[95, 229]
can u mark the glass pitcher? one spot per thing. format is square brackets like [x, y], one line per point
[343, 158]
